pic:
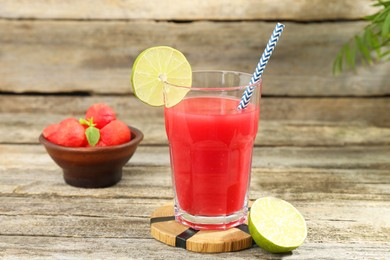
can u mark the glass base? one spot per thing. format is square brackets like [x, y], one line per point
[221, 222]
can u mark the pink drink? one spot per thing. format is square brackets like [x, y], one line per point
[211, 152]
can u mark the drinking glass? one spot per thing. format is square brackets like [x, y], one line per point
[211, 143]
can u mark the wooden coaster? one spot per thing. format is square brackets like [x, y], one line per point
[164, 228]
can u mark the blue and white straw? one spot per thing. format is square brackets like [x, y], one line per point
[261, 65]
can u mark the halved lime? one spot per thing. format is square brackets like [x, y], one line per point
[276, 225]
[154, 68]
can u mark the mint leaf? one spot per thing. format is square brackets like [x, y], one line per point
[93, 135]
[84, 122]
[88, 122]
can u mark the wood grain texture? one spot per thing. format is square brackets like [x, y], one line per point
[204, 241]
[341, 206]
[348, 157]
[343, 193]
[24, 129]
[303, 10]
[21, 247]
[96, 56]
[353, 224]
[364, 111]
[150, 181]
[284, 121]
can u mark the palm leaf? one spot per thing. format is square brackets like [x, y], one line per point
[374, 38]
[386, 26]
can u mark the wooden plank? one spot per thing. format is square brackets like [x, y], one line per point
[284, 122]
[79, 207]
[370, 111]
[22, 247]
[25, 129]
[344, 203]
[48, 207]
[346, 220]
[15, 210]
[306, 10]
[42, 216]
[291, 183]
[96, 56]
[349, 157]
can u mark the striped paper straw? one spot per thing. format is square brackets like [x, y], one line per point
[261, 65]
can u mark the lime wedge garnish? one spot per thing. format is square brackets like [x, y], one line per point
[276, 226]
[154, 68]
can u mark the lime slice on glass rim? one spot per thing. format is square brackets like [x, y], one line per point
[276, 225]
[154, 68]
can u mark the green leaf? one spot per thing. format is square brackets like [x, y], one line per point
[84, 122]
[375, 37]
[363, 49]
[88, 122]
[93, 135]
[386, 27]
[384, 3]
[384, 54]
[380, 16]
[370, 17]
[372, 41]
[349, 56]
[338, 63]
[368, 37]
[375, 41]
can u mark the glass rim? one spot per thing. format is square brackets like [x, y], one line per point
[242, 87]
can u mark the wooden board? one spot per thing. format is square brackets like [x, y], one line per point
[364, 111]
[343, 192]
[284, 121]
[187, 10]
[344, 206]
[96, 56]
[295, 180]
[347, 157]
[165, 229]
[23, 247]
[335, 201]
[25, 130]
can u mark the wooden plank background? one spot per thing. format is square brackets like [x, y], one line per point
[323, 141]
[284, 121]
[60, 44]
[302, 10]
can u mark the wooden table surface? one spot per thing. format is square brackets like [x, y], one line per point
[337, 173]
[323, 142]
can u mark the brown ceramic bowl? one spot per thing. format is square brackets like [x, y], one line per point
[93, 167]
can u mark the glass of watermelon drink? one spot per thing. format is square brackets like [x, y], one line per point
[211, 143]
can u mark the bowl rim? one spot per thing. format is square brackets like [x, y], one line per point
[138, 137]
